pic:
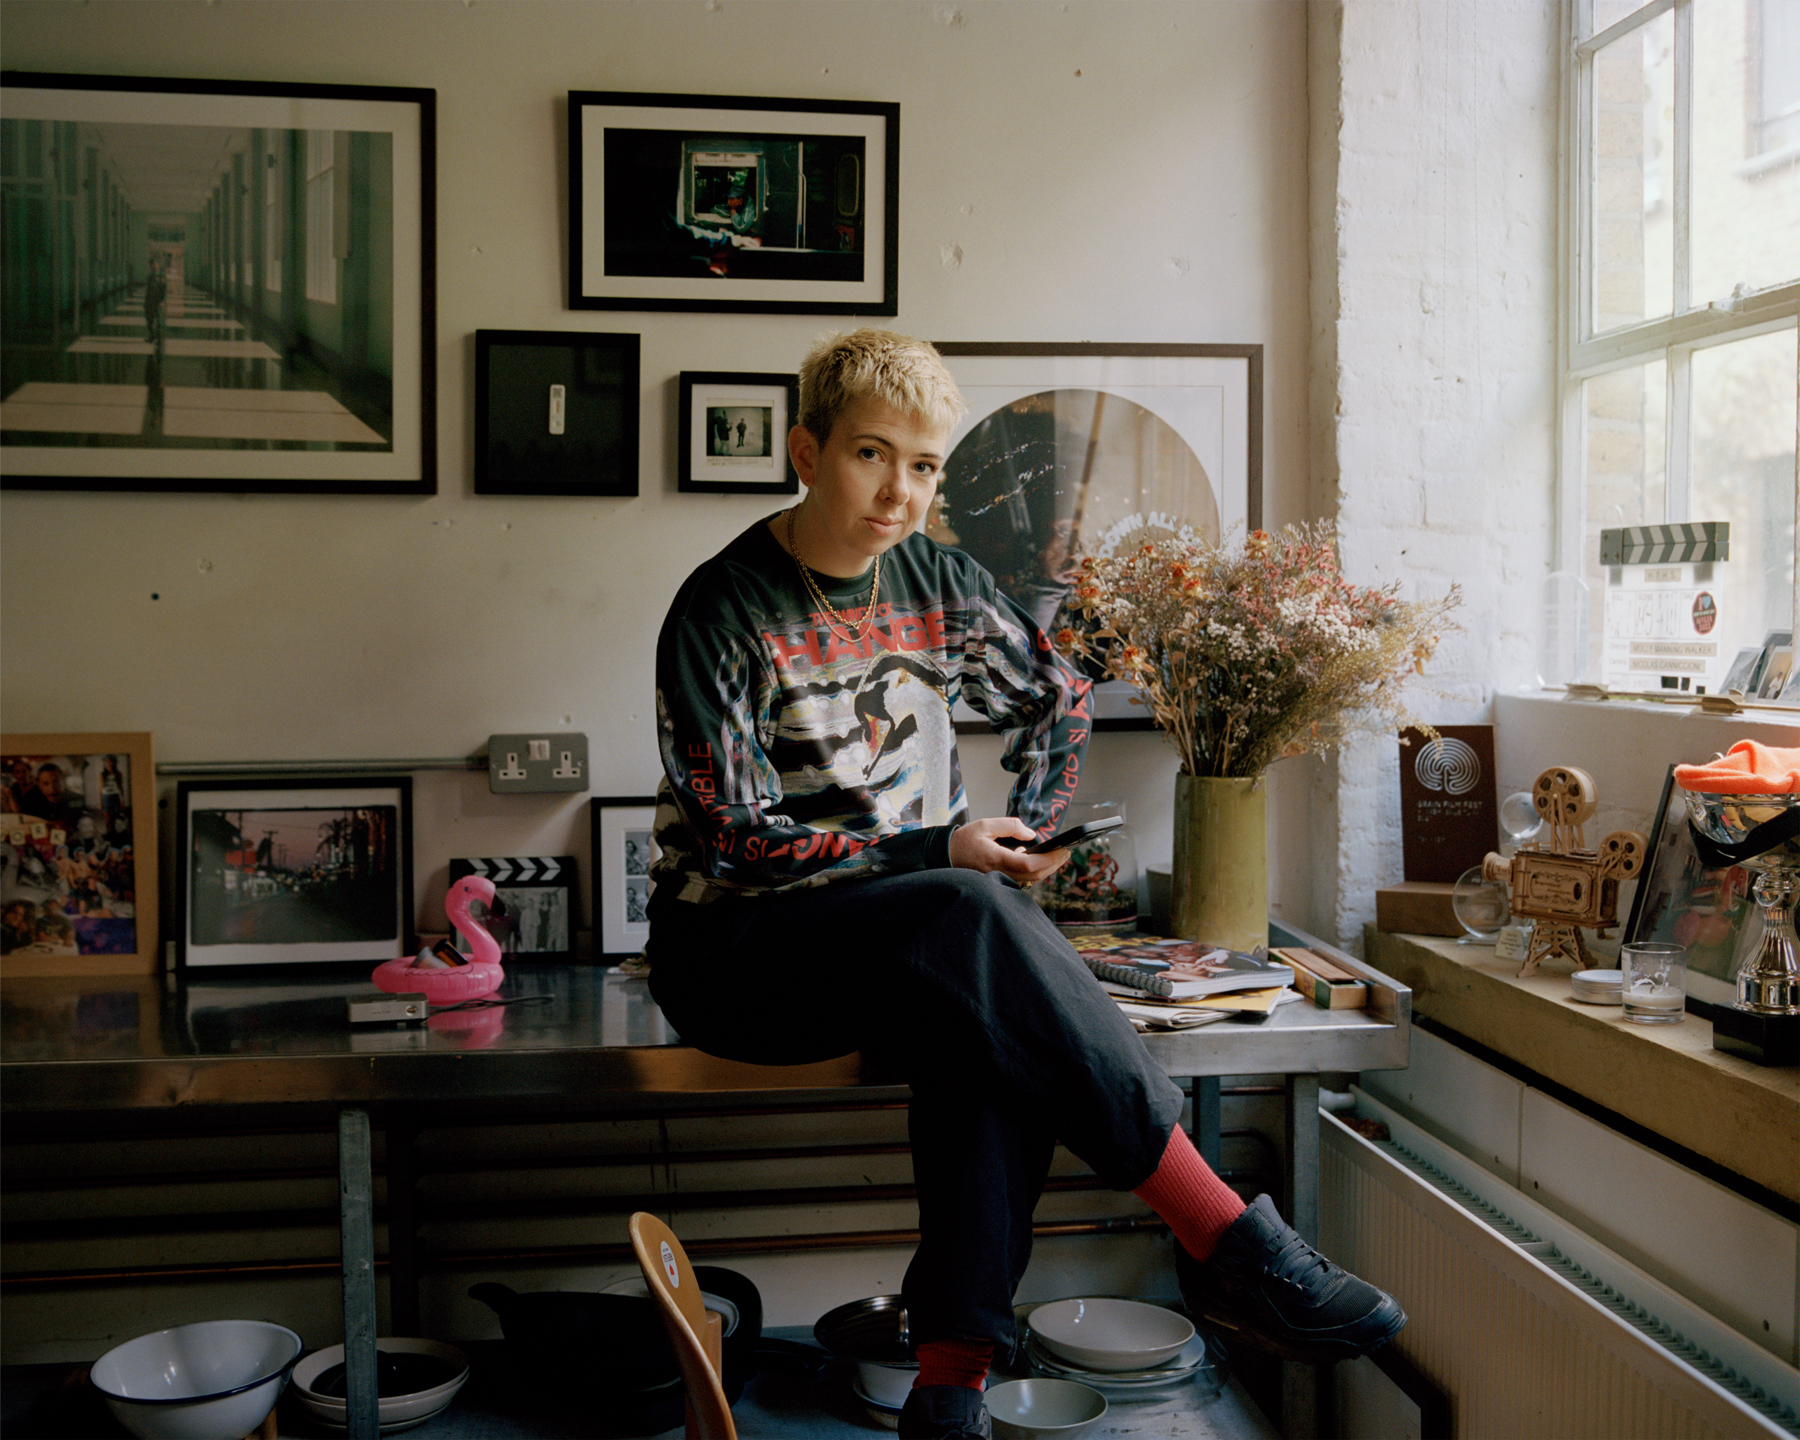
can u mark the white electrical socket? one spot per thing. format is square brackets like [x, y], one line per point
[535, 764]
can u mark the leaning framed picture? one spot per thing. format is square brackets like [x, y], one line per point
[220, 285]
[1678, 899]
[536, 920]
[306, 871]
[78, 889]
[623, 849]
[556, 413]
[1066, 448]
[734, 203]
[732, 436]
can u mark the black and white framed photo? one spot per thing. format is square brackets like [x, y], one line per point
[538, 893]
[306, 871]
[623, 847]
[1065, 444]
[733, 433]
[733, 203]
[257, 307]
[556, 413]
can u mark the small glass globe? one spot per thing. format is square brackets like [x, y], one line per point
[1519, 819]
[1481, 907]
[1098, 887]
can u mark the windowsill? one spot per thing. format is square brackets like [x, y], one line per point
[1668, 1079]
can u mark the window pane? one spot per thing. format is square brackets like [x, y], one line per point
[1743, 471]
[1610, 12]
[1746, 173]
[1624, 416]
[1632, 249]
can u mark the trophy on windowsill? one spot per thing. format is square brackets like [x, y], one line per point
[1557, 883]
[1761, 833]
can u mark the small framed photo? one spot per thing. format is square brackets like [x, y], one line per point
[1742, 673]
[624, 848]
[1778, 670]
[1678, 899]
[733, 433]
[733, 203]
[556, 413]
[538, 892]
[78, 889]
[307, 871]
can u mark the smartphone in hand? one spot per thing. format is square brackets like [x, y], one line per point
[1074, 835]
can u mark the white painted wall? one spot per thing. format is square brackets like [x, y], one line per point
[1107, 171]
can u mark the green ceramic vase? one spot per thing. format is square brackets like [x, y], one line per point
[1219, 879]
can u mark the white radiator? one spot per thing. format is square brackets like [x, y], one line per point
[1531, 1329]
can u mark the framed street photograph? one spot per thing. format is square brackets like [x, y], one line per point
[308, 871]
[733, 433]
[538, 893]
[217, 286]
[1064, 444]
[78, 855]
[719, 202]
[1678, 899]
[623, 850]
[556, 413]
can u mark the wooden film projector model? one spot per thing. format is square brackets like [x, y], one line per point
[1559, 885]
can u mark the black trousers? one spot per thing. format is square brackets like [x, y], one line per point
[957, 983]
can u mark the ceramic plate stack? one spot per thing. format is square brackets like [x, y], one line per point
[1198, 1363]
[1597, 987]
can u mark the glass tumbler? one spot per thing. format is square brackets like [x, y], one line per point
[1653, 982]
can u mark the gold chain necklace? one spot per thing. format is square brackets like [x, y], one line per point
[847, 634]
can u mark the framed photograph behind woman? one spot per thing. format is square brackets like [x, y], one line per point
[77, 855]
[624, 850]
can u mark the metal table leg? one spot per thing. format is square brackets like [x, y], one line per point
[1300, 1383]
[356, 1226]
[1205, 1091]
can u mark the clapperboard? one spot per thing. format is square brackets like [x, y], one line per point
[1663, 603]
[538, 893]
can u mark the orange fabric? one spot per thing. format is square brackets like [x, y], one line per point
[1747, 768]
[953, 1362]
[1189, 1197]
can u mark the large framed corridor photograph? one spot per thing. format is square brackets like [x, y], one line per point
[216, 286]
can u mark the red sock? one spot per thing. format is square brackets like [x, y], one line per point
[953, 1362]
[1196, 1204]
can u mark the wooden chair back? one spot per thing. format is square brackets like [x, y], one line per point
[695, 1332]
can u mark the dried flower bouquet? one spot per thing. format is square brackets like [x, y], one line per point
[1246, 652]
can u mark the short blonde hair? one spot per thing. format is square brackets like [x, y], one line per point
[895, 369]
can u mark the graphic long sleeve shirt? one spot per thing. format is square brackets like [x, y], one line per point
[793, 756]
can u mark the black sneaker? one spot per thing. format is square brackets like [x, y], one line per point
[1268, 1285]
[944, 1412]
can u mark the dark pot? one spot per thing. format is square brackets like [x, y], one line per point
[609, 1352]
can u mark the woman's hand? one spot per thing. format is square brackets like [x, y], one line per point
[975, 846]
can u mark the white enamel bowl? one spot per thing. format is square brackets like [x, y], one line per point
[1110, 1334]
[213, 1380]
[393, 1412]
[1044, 1409]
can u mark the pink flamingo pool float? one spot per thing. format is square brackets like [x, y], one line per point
[453, 984]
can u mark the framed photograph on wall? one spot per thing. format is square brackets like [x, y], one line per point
[719, 202]
[78, 889]
[1679, 900]
[307, 871]
[1064, 444]
[538, 892]
[733, 433]
[218, 286]
[623, 849]
[556, 413]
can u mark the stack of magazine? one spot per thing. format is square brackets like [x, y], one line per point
[1176, 984]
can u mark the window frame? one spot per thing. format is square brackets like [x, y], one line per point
[1674, 338]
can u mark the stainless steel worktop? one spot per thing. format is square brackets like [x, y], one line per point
[97, 1044]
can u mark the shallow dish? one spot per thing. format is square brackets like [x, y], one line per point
[1597, 987]
[213, 1380]
[393, 1412]
[1042, 1409]
[1201, 1364]
[873, 1334]
[1105, 1334]
[886, 1416]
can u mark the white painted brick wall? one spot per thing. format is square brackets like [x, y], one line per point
[1433, 287]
